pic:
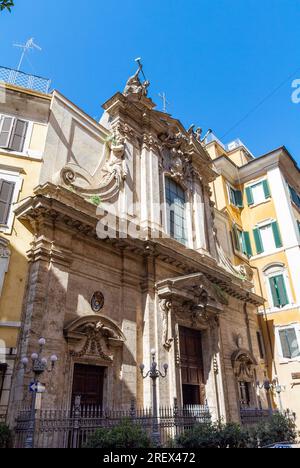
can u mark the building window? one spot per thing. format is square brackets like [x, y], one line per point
[176, 212]
[277, 282]
[245, 394]
[260, 344]
[294, 196]
[12, 133]
[267, 238]
[289, 342]
[235, 197]
[258, 193]
[242, 241]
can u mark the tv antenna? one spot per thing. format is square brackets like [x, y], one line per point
[30, 45]
[165, 102]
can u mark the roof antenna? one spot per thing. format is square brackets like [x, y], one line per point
[165, 102]
[26, 48]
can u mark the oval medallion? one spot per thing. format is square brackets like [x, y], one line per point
[97, 301]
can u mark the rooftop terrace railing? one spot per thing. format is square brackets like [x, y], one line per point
[24, 80]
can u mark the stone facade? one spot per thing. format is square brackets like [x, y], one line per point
[105, 298]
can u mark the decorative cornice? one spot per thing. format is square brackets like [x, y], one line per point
[56, 205]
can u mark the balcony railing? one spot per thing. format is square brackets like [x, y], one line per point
[18, 78]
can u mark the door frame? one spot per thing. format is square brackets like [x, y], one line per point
[107, 378]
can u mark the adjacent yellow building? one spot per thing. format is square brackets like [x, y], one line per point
[23, 127]
[257, 202]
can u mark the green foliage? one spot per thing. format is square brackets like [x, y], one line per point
[200, 436]
[214, 436]
[96, 200]
[126, 435]
[6, 5]
[278, 428]
[232, 436]
[5, 436]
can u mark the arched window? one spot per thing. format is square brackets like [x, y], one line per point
[277, 285]
[176, 211]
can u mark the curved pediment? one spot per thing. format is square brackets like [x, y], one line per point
[195, 288]
[93, 336]
[108, 326]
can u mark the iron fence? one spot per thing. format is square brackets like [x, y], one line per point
[252, 416]
[73, 428]
[18, 78]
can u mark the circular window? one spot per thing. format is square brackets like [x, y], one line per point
[97, 301]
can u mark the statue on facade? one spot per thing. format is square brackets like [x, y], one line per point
[195, 133]
[134, 86]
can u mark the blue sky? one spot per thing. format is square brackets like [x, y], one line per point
[217, 60]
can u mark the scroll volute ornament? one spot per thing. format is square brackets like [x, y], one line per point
[166, 306]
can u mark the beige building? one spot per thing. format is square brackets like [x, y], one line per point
[258, 203]
[23, 126]
[125, 259]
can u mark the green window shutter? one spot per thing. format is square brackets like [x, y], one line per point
[279, 293]
[247, 244]
[298, 222]
[282, 291]
[289, 343]
[239, 198]
[266, 187]
[249, 195]
[277, 236]
[274, 291]
[258, 241]
[295, 197]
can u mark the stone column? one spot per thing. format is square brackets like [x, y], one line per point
[200, 240]
[43, 316]
[210, 233]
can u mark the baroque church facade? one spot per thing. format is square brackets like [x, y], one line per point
[126, 259]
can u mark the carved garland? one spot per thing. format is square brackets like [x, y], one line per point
[92, 343]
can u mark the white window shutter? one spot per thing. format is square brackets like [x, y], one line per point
[6, 125]
[18, 135]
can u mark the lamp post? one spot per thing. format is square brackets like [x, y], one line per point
[274, 385]
[154, 373]
[39, 365]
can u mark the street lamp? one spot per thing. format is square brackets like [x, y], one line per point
[268, 386]
[39, 365]
[154, 373]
